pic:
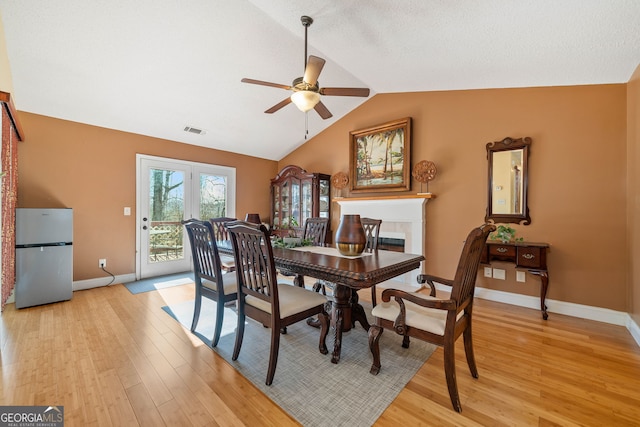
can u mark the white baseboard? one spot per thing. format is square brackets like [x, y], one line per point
[561, 307]
[634, 329]
[81, 285]
[570, 309]
[12, 297]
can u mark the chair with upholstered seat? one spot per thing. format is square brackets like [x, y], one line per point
[262, 298]
[221, 235]
[435, 320]
[209, 280]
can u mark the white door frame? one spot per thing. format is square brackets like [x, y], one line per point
[192, 203]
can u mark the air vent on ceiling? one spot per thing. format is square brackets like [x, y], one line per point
[197, 131]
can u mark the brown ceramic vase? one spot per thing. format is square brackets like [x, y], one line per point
[350, 236]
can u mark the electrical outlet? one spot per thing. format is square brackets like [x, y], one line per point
[499, 274]
[520, 276]
[102, 262]
[487, 272]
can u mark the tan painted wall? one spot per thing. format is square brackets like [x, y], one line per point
[93, 171]
[633, 194]
[577, 177]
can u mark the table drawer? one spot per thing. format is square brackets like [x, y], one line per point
[531, 257]
[502, 251]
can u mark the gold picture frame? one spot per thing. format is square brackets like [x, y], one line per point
[380, 157]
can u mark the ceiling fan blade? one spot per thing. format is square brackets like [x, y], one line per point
[260, 82]
[313, 69]
[322, 110]
[279, 105]
[344, 91]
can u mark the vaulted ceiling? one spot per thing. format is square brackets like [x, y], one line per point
[154, 67]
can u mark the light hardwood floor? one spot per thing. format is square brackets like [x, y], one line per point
[116, 359]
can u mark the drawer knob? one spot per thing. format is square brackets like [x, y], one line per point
[501, 250]
[528, 256]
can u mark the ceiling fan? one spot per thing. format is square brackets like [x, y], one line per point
[306, 89]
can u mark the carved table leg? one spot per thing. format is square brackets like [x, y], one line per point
[544, 282]
[342, 318]
[357, 311]
[298, 281]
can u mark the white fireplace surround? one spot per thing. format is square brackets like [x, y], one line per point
[402, 218]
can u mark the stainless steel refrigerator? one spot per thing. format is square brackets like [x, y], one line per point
[44, 256]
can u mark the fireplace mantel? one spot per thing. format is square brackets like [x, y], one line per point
[410, 196]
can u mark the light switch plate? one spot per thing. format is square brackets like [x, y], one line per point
[520, 276]
[499, 274]
[487, 272]
[127, 211]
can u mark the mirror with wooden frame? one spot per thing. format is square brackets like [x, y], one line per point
[508, 181]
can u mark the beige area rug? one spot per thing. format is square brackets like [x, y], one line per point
[307, 385]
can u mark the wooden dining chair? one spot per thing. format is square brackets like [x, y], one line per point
[372, 231]
[220, 227]
[435, 320]
[210, 282]
[315, 231]
[221, 234]
[262, 298]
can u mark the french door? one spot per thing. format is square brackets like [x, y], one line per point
[169, 191]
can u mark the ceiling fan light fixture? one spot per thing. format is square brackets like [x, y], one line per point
[305, 100]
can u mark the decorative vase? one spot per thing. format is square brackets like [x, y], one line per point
[350, 236]
[253, 218]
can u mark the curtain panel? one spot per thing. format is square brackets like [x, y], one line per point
[9, 187]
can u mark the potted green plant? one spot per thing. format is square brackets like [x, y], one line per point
[505, 234]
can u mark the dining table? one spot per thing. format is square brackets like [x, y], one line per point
[348, 274]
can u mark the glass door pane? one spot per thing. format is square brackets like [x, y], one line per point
[163, 200]
[166, 210]
[213, 196]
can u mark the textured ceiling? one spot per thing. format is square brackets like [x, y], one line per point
[153, 67]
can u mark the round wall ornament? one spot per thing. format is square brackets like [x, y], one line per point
[423, 172]
[339, 181]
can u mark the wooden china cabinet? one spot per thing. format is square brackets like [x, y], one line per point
[295, 196]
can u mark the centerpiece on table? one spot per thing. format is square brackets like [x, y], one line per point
[350, 236]
[290, 242]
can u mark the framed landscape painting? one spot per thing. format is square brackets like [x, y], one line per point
[380, 157]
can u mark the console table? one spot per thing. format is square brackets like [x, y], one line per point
[526, 255]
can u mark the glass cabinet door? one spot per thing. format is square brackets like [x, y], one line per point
[295, 203]
[324, 202]
[276, 206]
[307, 201]
[286, 190]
